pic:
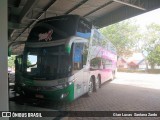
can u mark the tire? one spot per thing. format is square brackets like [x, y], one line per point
[98, 84]
[91, 87]
[99, 80]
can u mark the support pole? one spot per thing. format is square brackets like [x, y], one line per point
[3, 57]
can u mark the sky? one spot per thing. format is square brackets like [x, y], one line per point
[136, 56]
[142, 21]
[148, 18]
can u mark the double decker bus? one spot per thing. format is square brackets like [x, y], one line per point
[64, 57]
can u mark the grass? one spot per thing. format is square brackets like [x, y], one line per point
[150, 71]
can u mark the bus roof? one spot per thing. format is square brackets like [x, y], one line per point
[61, 17]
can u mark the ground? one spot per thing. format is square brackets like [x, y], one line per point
[128, 92]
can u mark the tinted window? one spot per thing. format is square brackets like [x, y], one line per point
[47, 62]
[95, 63]
[84, 29]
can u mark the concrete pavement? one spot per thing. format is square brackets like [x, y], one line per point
[128, 92]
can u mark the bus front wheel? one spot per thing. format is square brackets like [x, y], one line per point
[91, 87]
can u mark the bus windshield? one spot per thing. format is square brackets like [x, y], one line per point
[46, 62]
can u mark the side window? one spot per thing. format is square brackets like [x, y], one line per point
[31, 63]
[96, 63]
[111, 48]
[84, 26]
[77, 56]
[106, 64]
[84, 29]
[85, 53]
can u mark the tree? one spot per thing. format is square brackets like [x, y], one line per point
[152, 35]
[11, 60]
[152, 44]
[29, 63]
[154, 56]
[124, 36]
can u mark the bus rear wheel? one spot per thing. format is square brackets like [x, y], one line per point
[98, 84]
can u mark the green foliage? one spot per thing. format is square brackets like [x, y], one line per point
[154, 56]
[29, 63]
[152, 44]
[151, 36]
[123, 35]
[11, 60]
[127, 39]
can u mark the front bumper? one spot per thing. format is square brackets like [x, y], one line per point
[66, 94]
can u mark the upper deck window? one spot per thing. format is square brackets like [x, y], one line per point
[84, 29]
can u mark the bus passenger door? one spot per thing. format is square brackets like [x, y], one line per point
[77, 70]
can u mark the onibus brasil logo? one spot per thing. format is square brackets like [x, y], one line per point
[23, 114]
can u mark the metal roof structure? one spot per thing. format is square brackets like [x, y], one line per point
[23, 14]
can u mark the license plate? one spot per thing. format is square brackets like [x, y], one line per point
[39, 96]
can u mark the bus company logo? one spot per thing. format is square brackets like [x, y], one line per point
[46, 36]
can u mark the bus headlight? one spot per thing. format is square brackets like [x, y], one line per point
[67, 83]
[70, 82]
[64, 95]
